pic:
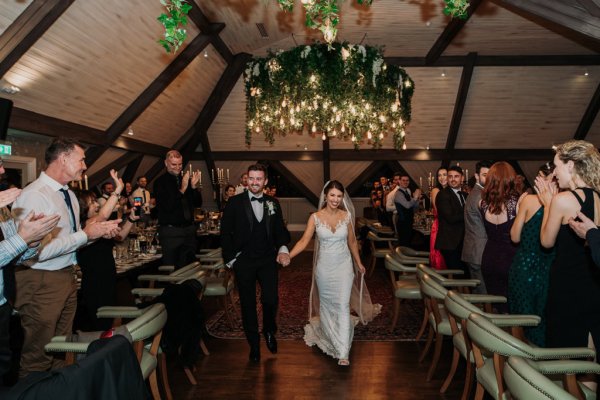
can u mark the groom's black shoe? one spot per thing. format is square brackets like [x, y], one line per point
[254, 353]
[271, 342]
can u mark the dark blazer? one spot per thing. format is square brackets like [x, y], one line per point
[170, 201]
[593, 238]
[237, 221]
[451, 218]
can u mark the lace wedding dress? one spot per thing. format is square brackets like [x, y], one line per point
[331, 328]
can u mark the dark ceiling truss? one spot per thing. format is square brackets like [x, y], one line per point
[104, 173]
[27, 28]
[298, 184]
[145, 99]
[384, 155]
[131, 169]
[589, 116]
[459, 104]
[449, 33]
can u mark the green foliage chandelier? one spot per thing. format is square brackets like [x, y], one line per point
[332, 90]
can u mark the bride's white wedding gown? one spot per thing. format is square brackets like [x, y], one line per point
[333, 329]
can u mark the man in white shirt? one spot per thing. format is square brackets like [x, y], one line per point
[243, 185]
[143, 194]
[406, 203]
[46, 289]
[390, 206]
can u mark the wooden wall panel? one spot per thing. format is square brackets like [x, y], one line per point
[309, 172]
[525, 107]
[10, 10]
[347, 171]
[494, 30]
[175, 110]
[93, 62]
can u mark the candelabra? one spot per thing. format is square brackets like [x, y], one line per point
[220, 180]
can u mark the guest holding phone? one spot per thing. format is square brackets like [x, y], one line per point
[99, 274]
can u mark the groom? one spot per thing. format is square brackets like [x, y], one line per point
[253, 240]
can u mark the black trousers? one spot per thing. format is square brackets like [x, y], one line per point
[453, 260]
[263, 270]
[5, 353]
[178, 245]
[404, 227]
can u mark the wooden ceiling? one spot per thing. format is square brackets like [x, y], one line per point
[515, 78]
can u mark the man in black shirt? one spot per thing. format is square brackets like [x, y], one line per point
[176, 198]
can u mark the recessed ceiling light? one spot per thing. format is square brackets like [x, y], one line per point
[205, 54]
[130, 131]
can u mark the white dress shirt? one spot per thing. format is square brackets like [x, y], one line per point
[57, 250]
[257, 206]
[390, 206]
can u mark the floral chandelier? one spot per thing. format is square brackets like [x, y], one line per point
[332, 90]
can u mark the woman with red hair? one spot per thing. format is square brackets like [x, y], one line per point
[498, 208]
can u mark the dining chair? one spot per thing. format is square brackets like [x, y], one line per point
[459, 307]
[525, 382]
[220, 283]
[378, 252]
[148, 326]
[488, 338]
[404, 284]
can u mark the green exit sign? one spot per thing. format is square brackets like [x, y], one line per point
[5, 149]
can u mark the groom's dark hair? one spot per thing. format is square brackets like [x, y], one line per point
[259, 167]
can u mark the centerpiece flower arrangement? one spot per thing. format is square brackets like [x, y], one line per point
[333, 90]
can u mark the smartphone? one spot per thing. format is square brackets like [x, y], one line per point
[137, 203]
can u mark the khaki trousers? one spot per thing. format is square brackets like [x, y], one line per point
[46, 301]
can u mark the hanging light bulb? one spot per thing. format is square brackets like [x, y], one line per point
[404, 146]
[369, 135]
[314, 128]
[324, 137]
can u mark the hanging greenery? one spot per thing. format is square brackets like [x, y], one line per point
[174, 21]
[333, 90]
[324, 14]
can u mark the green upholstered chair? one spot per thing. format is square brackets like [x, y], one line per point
[378, 252]
[525, 382]
[488, 338]
[171, 275]
[459, 307]
[404, 284]
[220, 283]
[411, 256]
[146, 332]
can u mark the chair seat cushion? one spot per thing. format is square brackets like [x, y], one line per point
[407, 289]
[214, 287]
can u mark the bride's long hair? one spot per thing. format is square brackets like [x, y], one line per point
[360, 300]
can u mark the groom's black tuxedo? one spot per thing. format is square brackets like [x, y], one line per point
[254, 245]
[238, 223]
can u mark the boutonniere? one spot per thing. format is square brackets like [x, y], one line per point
[270, 207]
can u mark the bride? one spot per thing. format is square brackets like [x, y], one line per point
[338, 276]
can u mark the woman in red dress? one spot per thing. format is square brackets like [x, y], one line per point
[436, 260]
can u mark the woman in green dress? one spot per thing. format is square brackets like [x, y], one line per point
[528, 275]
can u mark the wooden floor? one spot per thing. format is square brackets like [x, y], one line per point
[378, 370]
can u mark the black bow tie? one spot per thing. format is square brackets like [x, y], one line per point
[259, 199]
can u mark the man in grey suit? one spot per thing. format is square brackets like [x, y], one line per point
[475, 236]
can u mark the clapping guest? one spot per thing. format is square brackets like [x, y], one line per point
[142, 192]
[528, 275]
[243, 185]
[498, 207]
[573, 307]
[99, 274]
[390, 206]
[406, 203]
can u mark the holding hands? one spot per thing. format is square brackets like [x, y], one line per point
[283, 259]
[545, 190]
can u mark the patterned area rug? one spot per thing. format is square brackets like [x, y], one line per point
[294, 289]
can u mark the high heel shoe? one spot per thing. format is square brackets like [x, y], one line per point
[344, 362]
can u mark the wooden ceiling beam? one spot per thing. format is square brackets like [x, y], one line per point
[568, 14]
[29, 121]
[498, 61]
[459, 104]
[449, 33]
[103, 174]
[592, 6]
[145, 99]
[200, 20]
[131, 169]
[359, 181]
[589, 116]
[298, 184]
[385, 154]
[18, 38]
